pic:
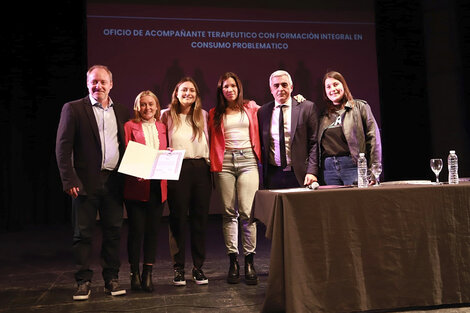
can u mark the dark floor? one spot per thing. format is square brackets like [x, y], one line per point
[36, 271]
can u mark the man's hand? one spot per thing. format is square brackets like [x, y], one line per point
[309, 179]
[73, 192]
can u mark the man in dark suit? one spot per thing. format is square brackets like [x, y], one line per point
[288, 134]
[89, 146]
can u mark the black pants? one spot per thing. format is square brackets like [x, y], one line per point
[144, 221]
[188, 201]
[279, 179]
[107, 200]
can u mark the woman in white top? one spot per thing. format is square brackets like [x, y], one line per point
[235, 154]
[188, 197]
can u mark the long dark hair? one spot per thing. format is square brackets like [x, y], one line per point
[222, 102]
[347, 93]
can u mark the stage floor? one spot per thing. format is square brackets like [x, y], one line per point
[36, 271]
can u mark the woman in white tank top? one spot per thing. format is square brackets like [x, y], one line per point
[235, 152]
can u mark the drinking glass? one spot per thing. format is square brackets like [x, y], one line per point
[376, 169]
[436, 166]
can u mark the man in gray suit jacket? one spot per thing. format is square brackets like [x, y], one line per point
[89, 146]
[288, 134]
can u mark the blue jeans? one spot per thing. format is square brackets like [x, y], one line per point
[340, 171]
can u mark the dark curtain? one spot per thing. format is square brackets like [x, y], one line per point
[43, 53]
[403, 91]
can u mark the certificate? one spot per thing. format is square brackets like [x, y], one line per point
[145, 162]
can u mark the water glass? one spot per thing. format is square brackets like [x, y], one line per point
[376, 169]
[436, 166]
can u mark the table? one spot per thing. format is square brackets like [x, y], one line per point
[351, 249]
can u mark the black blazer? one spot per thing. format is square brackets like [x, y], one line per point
[78, 146]
[303, 140]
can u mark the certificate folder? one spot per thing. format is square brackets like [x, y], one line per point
[145, 162]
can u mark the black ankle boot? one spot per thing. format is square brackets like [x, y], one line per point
[250, 274]
[147, 283]
[135, 277]
[233, 276]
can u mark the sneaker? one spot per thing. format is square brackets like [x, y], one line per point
[199, 277]
[179, 277]
[113, 288]
[83, 291]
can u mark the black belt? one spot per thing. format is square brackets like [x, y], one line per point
[288, 168]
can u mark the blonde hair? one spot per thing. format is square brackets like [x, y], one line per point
[137, 117]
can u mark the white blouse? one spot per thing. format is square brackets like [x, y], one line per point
[194, 149]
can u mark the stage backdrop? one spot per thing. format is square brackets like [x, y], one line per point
[152, 47]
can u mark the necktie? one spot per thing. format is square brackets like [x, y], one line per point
[282, 142]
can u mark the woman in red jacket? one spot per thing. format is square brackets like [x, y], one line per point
[144, 198]
[234, 154]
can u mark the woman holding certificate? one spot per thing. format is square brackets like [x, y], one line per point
[144, 198]
[235, 151]
[188, 197]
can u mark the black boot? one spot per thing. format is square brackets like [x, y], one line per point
[250, 274]
[135, 277]
[147, 283]
[233, 276]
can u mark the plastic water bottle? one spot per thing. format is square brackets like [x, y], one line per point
[453, 165]
[362, 181]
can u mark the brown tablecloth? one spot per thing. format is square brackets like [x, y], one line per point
[353, 249]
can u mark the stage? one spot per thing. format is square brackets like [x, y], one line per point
[37, 276]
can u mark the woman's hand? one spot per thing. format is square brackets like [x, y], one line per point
[73, 192]
[299, 98]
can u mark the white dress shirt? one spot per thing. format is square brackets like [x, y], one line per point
[275, 156]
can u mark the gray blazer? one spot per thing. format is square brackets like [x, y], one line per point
[303, 139]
